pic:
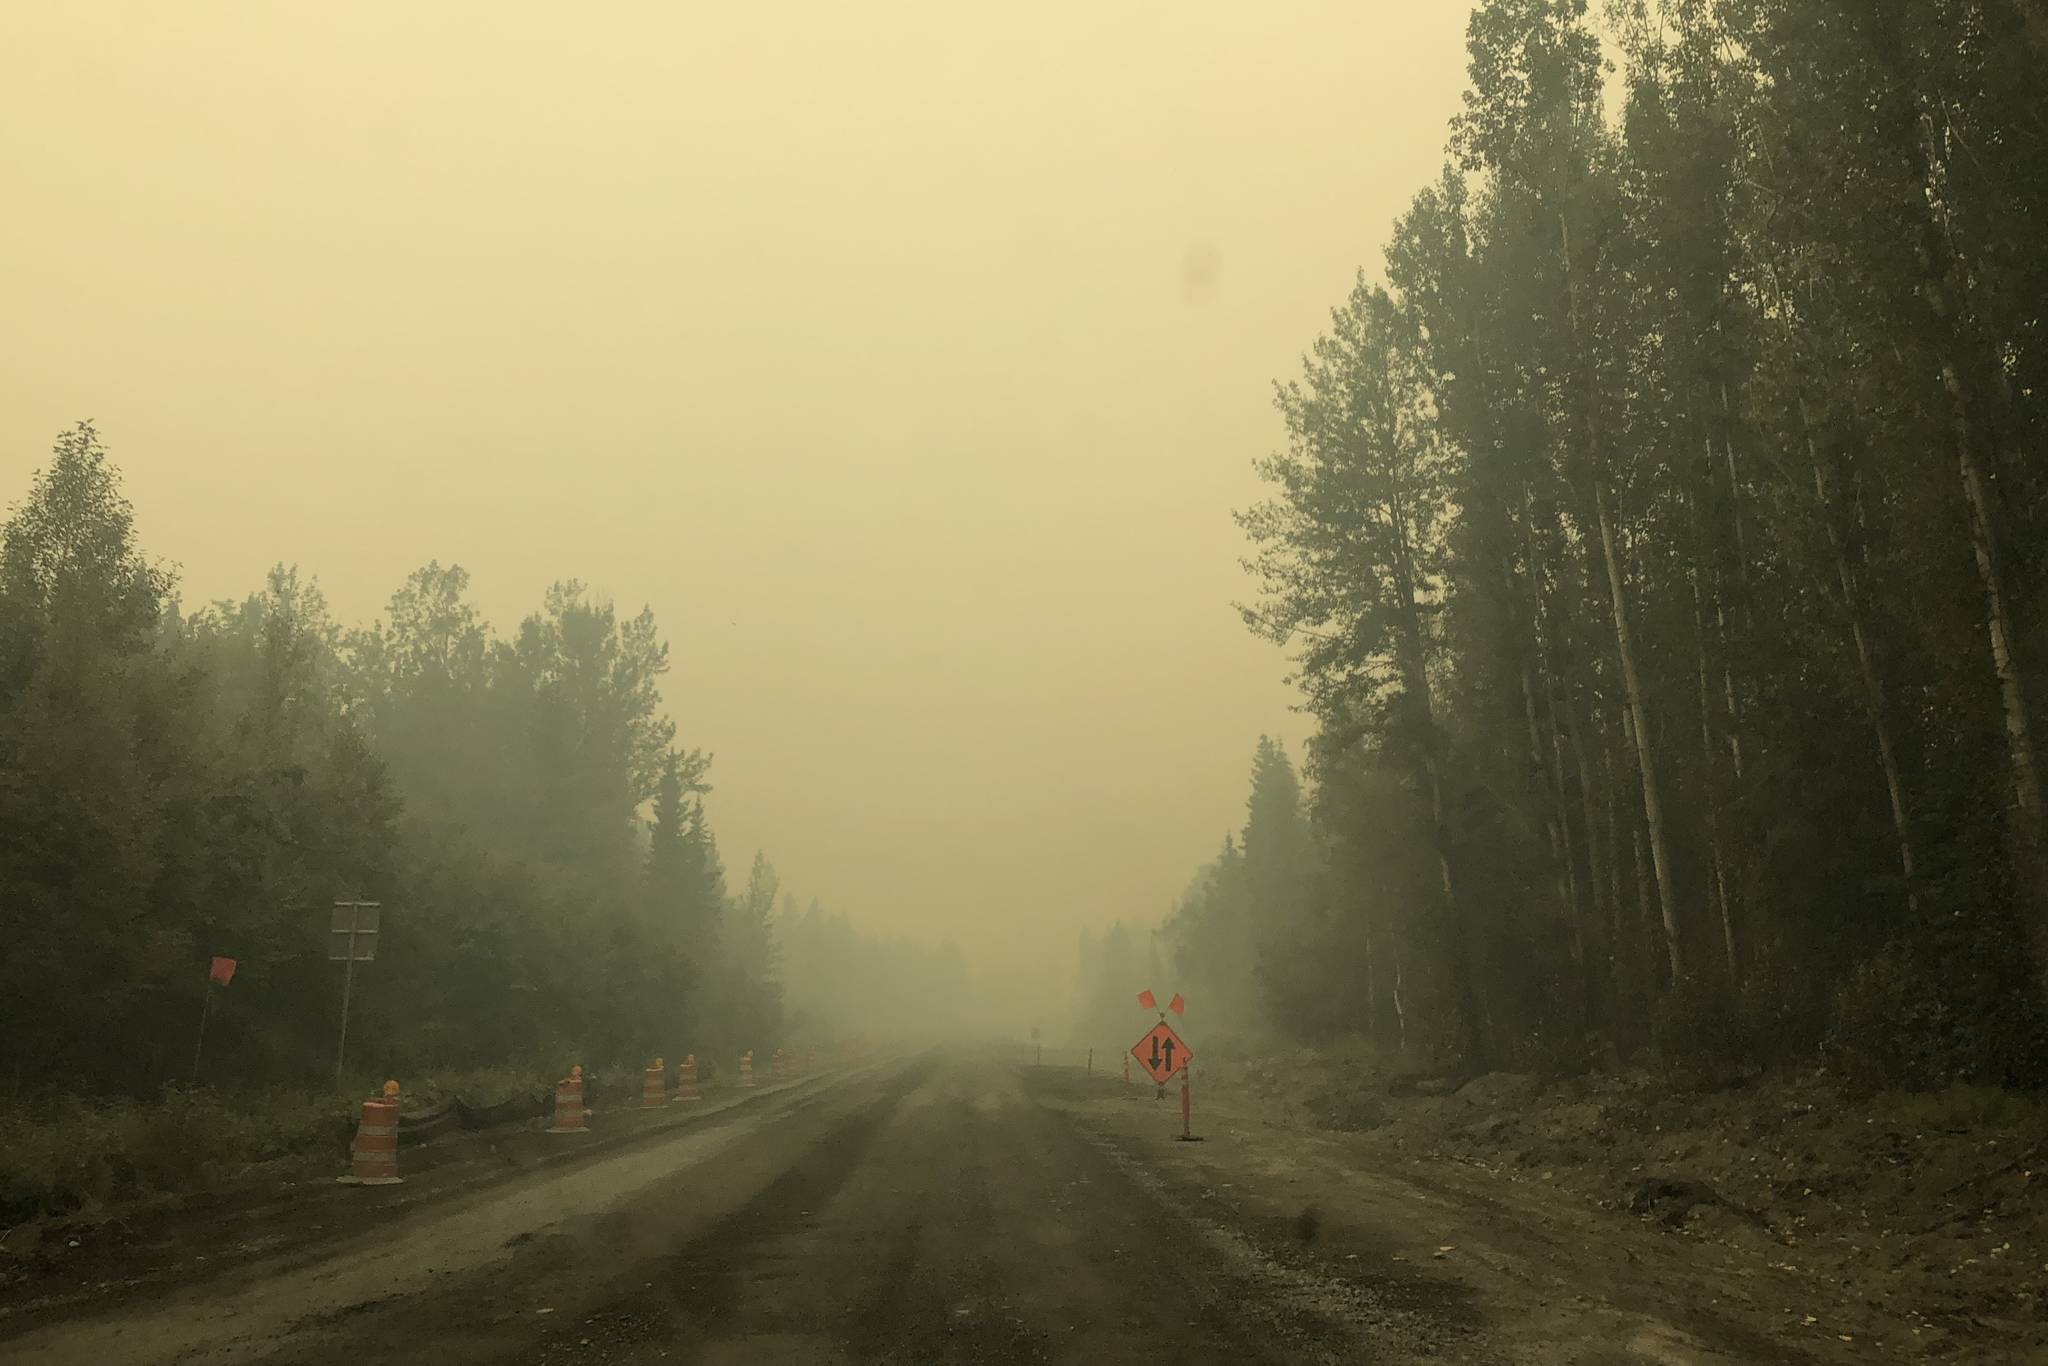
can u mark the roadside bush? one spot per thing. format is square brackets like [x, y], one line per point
[1928, 1017]
[480, 1087]
[1556, 1055]
[1709, 1037]
[78, 1154]
[1959, 1109]
[54, 1162]
[178, 1143]
[1885, 1029]
[1703, 1034]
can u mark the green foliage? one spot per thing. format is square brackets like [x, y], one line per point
[76, 1153]
[1922, 1018]
[1958, 1109]
[176, 785]
[1663, 562]
[1240, 929]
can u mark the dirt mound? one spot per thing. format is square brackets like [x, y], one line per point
[1498, 1089]
[1931, 1210]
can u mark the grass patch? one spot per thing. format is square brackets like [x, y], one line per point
[67, 1155]
[1959, 1109]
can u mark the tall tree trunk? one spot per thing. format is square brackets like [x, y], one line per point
[1596, 871]
[1414, 661]
[1643, 906]
[1631, 966]
[1866, 658]
[1612, 786]
[1631, 678]
[1705, 560]
[1372, 975]
[1562, 866]
[1400, 993]
[1649, 916]
[1741, 578]
[1552, 764]
[1963, 364]
[1632, 686]
[1753, 901]
[1718, 889]
[2026, 773]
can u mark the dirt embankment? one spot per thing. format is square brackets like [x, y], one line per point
[1922, 1218]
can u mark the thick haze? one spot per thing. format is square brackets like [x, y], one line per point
[907, 359]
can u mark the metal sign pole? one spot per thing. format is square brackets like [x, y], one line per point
[348, 981]
[1162, 1085]
[205, 1005]
[352, 935]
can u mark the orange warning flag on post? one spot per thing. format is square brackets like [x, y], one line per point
[1147, 999]
[1177, 1005]
[222, 971]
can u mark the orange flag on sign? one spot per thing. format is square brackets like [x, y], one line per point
[222, 971]
[1147, 999]
[1177, 1005]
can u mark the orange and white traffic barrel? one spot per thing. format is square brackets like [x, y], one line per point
[569, 1104]
[654, 1086]
[747, 1068]
[373, 1157]
[686, 1080]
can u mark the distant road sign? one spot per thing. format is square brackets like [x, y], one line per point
[1161, 1053]
[353, 936]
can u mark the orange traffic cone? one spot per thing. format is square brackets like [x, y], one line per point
[747, 1068]
[654, 1086]
[686, 1080]
[569, 1104]
[373, 1157]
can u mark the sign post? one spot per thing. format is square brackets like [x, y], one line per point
[222, 970]
[1162, 1053]
[351, 939]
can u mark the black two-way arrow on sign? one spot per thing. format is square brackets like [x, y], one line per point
[1161, 1052]
[1162, 1047]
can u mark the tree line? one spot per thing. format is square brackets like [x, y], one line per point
[178, 784]
[1659, 540]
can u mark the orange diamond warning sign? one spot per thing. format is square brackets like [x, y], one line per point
[1161, 1052]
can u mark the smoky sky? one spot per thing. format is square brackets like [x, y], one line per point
[907, 359]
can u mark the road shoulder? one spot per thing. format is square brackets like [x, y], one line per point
[1559, 1282]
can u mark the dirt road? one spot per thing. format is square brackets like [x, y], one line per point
[942, 1207]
